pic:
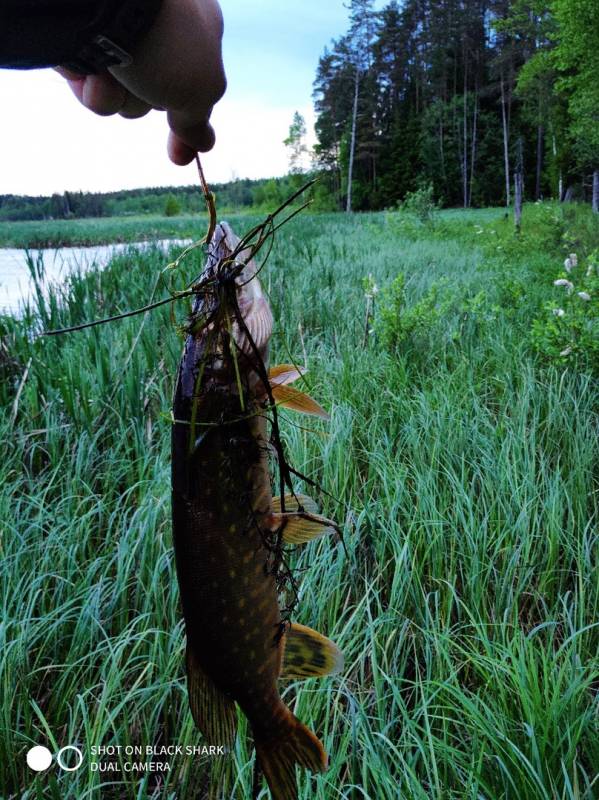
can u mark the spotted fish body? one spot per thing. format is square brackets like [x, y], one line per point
[225, 523]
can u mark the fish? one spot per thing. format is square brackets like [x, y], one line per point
[229, 530]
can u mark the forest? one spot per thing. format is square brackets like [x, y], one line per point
[167, 200]
[462, 99]
[464, 96]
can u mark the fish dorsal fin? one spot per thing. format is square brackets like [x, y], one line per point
[309, 654]
[299, 527]
[285, 374]
[213, 712]
[295, 502]
[288, 397]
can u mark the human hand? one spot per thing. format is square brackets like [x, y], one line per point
[177, 67]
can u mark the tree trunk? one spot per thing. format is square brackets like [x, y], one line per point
[352, 149]
[596, 191]
[518, 188]
[465, 152]
[518, 200]
[506, 147]
[474, 143]
[442, 148]
[540, 140]
[560, 179]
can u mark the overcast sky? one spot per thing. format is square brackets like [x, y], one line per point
[48, 143]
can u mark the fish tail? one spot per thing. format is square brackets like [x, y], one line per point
[278, 757]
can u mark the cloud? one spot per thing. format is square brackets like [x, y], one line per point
[48, 143]
[250, 140]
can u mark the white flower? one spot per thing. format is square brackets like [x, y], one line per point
[568, 265]
[563, 282]
[566, 352]
[371, 289]
[559, 312]
[574, 259]
[584, 296]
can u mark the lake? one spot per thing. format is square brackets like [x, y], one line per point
[15, 280]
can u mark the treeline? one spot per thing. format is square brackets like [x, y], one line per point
[235, 195]
[461, 94]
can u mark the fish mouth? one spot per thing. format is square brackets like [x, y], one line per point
[229, 259]
[226, 256]
[230, 302]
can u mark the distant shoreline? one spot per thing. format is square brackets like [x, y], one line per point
[102, 231]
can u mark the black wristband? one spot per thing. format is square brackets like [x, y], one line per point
[83, 35]
[112, 45]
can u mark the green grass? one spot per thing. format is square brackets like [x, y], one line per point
[465, 477]
[102, 230]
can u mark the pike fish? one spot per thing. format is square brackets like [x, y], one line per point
[228, 529]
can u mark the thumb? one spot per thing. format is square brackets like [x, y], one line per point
[188, 136]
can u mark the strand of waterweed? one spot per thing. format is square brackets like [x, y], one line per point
[200, 285]
[117, 317]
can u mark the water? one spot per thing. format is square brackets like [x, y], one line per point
[15, 280]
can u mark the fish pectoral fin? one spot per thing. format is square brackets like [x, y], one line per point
[309, 654]
[295, 502]
[285, 374]
[213, 712]
[259, 326]
[299, 527]
[288, 397]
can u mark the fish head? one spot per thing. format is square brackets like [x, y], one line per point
[254, 329]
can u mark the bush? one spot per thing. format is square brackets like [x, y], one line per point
[172, 206]
[399, 323]
[567, 330]
[421, 204]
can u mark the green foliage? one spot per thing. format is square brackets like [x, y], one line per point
[172, 206]
[463, 469]
[232, 196]
[83, 232]
[324, 196]
[10, 367]
[577, 55]
[401, 323]
[536, 86]
[448, 90]
[296, 144]
[421, 204]
[567, 331]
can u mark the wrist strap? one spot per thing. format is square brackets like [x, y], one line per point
[112, 45]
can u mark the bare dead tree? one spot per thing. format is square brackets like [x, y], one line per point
[518, 187]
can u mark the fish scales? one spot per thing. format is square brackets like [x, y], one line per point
[229, 598]
[222, 527]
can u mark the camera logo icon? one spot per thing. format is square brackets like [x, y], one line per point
[39, 758]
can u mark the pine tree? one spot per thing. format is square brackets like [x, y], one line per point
[360, 40]
[333, 97]
[441, 91]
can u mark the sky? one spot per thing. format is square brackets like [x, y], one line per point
[48, 143]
